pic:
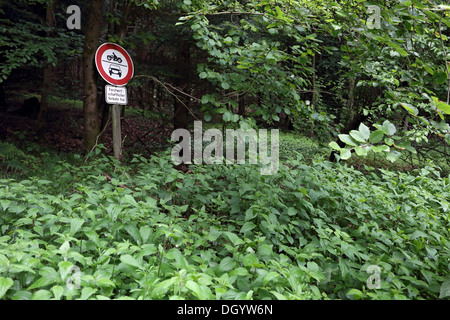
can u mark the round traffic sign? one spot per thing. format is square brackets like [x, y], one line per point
[114, 64]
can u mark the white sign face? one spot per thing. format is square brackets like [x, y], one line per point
[114, 64]
[116, 95]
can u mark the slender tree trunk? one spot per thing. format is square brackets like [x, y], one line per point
[242, 105]
[104, 111]
[48, 68]
[314, 93]
[90, 106]
[3, 104]
[181, 112]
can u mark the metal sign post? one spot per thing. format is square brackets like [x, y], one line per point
[115, 66]
[116, 131]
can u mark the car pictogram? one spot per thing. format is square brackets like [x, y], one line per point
[115, 70]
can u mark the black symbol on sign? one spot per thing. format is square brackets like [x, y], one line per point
[113, 57]
[114, 70]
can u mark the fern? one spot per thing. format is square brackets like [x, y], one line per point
[11, 158]
[9, 151]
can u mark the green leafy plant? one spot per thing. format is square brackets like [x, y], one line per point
[224, 232]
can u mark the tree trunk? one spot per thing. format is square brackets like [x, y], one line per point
[355, 117]
[242, 105]
[3, 104]
[181, 112]
[104, 112]
[314, 93]
[48, 68]
[90, 107]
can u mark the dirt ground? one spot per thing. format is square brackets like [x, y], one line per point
[63, 131]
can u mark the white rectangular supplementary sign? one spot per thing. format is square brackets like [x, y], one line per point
[116, 95]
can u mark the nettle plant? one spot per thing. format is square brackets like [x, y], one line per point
[224, 232]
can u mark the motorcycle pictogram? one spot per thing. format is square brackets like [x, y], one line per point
[113, 57]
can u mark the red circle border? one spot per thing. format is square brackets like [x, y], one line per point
[98, 64]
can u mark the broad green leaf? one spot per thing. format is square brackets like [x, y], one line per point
[227, 264]
[428, 69]
[364, 131]
[58, 291]
[397, 48]
[65, 247]
[41, 295]
[161, 288]
[380, 148]
[314, 271]
[388, 128]
[75, 225]
[214, 233]
[4, 263]
[389, 141]
[410, 108]
[392, 155]
[227, 116]
[49, 276]
[105, 282]
[133, 231]
[202, 292]
[278, 295]
[251, 260]
[348, 140]
[444, 107]
[87, 292]
[418, 234]
[5, 204]
[250, 214]
[272, 275]
[22, 295]
[145, 233]
[235, 240]
[280, 13]
[238, 271]
[357, 136]
[361, 151]
[445, 289]
[176, 255]
[247, 227]
[354, 294]
[441, 77]
[345, 154]
[16, 268]
[5, 284]
[376, 136]
[42, 282]
[130, 200]
[335, 146]
[129, 260]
